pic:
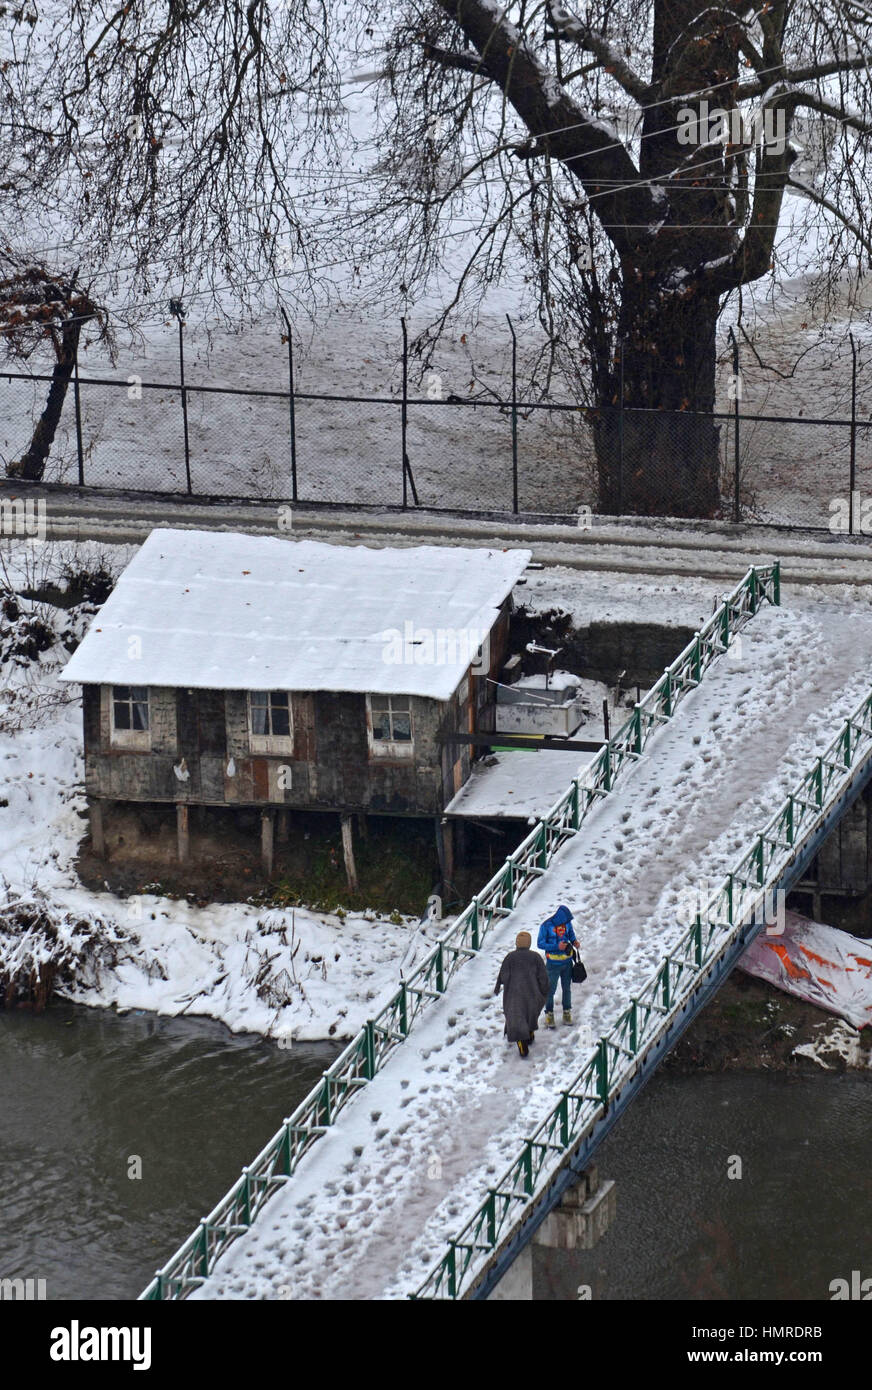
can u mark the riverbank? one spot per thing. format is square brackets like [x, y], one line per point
[750, 1026]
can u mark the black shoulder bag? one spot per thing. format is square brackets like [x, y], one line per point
[579, 974]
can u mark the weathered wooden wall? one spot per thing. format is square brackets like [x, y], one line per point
[200, 753]
[200, 750]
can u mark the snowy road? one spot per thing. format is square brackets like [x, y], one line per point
[709, 550]
[368, 1212]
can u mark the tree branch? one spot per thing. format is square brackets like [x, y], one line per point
[463, 62]
[586, 147]
[809, 73]
[811, 192]
[608, 55]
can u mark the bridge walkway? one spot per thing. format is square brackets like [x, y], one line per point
[369, 1212]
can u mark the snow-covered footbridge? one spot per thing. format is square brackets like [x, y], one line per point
[430, 1152]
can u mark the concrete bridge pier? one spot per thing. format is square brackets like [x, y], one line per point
[581, 1219]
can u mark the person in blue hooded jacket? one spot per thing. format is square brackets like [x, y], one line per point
[556, 938]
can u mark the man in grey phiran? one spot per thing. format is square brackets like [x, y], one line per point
[524, 982]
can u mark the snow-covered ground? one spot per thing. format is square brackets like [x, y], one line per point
[287, 974]
[447, 1112]
[369, 1212]
[836, 1046]
[300, 974]
[461, 456]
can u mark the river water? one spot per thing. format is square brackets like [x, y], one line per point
[798, 1217]
[84, 1092]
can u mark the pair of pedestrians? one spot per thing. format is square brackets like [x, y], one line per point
[528, 982]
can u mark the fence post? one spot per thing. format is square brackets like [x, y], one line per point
[736, 507]
[527, 1161]
[514, 416]
[78, 405]
[369, 1049]
[491, 1217]
[563, 1112]
[607, 766]
[853, 480]
[408, 480]
[202, 1266]
[291, 406]
[451, 1263]
[404, 409]
[602, 1072]
[177, 309]
[621, 435]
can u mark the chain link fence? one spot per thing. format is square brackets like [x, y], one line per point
[545, 458]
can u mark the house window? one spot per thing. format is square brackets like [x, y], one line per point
[269, 721]
[131, 725]
[390, 725]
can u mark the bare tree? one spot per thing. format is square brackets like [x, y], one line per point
[640, 152]
[180, 140]
[164, 140]
[38, 307]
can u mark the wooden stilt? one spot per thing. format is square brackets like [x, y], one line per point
[98, 840]
[182, 831]
[363, 825]
[282, 828]
[445, 851]
[459, 841]
[448, 842]
[348, 853]
[267, 838]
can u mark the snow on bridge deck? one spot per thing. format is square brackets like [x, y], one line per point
[369, 1210]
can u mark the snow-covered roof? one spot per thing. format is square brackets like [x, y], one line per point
[214, 610]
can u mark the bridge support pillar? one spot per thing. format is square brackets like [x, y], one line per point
[583, 1217]
[516, 1284]
[581, 1220]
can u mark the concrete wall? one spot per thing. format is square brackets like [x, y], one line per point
[601, 651]
[642, 650]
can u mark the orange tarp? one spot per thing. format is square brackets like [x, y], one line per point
[822, 964]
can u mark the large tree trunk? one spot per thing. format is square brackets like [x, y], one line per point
[656, 443]
[659, 455]
[31, 465]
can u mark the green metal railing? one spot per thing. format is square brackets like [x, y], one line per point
[618, 1055]
[367, 1052]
